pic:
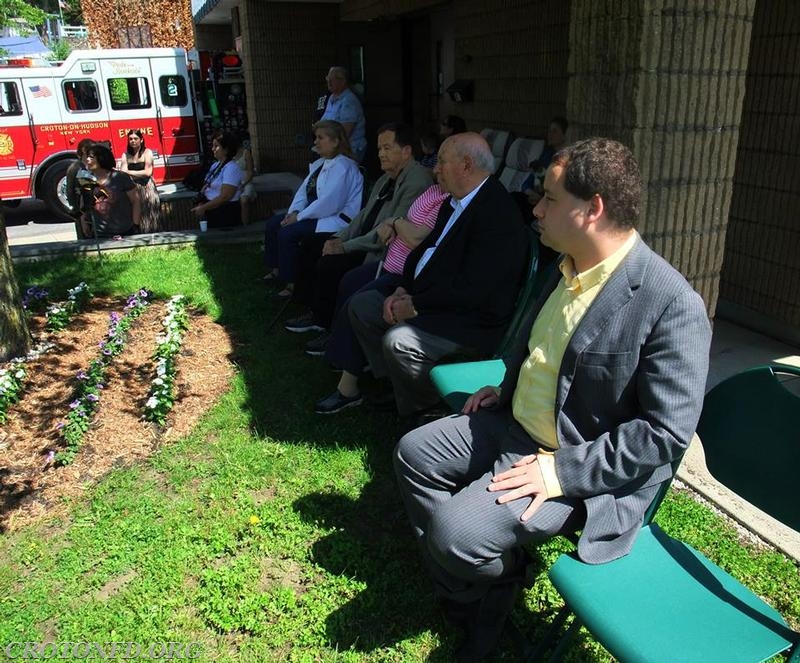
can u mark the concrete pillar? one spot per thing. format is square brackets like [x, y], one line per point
[668, 79]
[287, 49]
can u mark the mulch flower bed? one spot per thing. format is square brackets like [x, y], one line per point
[31, 485]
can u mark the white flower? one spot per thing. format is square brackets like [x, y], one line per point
[158, 381]
[152, 403]
[19, 374]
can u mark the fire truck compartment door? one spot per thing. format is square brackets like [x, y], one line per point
[177, 125]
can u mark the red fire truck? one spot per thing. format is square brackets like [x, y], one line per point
[102, 94]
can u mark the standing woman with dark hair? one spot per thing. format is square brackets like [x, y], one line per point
[222, 186]
[116, 207]
[137, 161]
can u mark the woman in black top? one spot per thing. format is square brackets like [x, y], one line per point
[137, 161]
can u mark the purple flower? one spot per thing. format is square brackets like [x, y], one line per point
[92, 397]
[143, 293]
[82, 375]
[74, 404]
[60, 425]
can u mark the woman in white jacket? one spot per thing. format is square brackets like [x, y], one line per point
[325, 202]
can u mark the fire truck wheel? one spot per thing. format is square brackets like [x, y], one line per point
[54, 189]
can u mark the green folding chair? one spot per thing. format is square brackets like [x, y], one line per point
[458, 381]
[664, 601]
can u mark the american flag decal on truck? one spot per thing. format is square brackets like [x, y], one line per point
[40, 91]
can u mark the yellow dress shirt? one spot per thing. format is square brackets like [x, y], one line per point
[535, 395]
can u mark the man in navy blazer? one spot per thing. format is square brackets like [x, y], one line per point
[601, 397]
[460, 285]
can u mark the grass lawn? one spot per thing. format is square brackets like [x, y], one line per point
[269, 533]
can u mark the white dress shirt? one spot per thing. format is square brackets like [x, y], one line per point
[458, 205]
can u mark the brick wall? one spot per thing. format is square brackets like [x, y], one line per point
[761, 272]
[516, 53]
[214, 37]
[287, 56]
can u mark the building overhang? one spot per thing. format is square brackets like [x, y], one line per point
[218, 12]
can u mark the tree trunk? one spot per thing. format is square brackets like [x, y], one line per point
[15, 339]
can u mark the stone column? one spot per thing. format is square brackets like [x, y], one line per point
[760, 282]
[668, 79]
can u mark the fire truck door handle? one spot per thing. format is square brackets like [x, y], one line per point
[177, 131]
[34, 137]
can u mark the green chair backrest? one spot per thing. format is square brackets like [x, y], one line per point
[531, 288]
[660, 495]
[750, 428]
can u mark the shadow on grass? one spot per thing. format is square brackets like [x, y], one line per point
[372, 541]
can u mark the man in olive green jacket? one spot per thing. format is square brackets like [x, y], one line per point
[403, 180]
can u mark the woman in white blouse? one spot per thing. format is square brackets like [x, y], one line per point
[219, 196]
[325, 202]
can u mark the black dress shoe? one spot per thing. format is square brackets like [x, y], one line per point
[485, 630]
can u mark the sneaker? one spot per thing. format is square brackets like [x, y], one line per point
[336, 403]
[304, 323]
[317, 347]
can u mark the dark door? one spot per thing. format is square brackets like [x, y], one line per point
[389, 64]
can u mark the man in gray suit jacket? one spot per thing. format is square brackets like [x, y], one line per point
[602, 394]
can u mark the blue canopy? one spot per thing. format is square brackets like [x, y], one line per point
[24, 47]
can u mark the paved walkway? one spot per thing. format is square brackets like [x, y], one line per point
[733, 349]
[62, 241]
